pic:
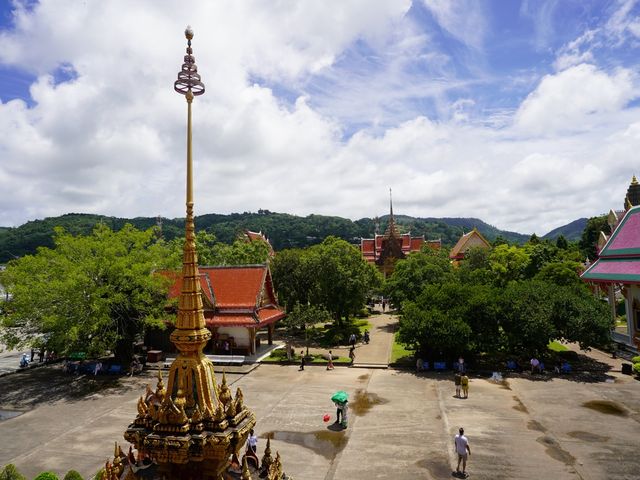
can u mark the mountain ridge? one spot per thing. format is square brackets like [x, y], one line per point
[283, 230]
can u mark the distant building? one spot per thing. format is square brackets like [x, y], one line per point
[386, 249]
[618, 264]
[238, 302]
[250, 236]
[467, 241]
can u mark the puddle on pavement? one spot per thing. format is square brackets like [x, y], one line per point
[533, 425]
[588, 436]
[364, 401]
[362, 378]
[607, 407]
[437, 465]
[520, 406]
[554, 450]
[322, 442]
[7, 414]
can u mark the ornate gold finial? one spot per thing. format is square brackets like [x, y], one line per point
[634, 180]
[239, 400]
[246, 474]
[627, 202]
[267, 460]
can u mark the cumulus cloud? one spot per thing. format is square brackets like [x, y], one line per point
[104, 132]
[578, 98]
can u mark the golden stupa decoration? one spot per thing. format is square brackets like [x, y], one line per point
[192, 428]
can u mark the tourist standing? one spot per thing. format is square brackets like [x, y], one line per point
[464, 383]
[301, 360]
[457, 380]
[330, 364]
[252, 442]
[535, 365]
[462, 449]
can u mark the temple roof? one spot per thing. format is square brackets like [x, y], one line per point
[620, 258]
[625, 239]
[468, 240]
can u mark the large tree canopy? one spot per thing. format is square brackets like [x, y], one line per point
[332, 275]
[88, 293]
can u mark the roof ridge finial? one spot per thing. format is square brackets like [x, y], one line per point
[634, 180]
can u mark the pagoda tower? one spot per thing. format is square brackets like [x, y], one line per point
[191, 429]
[391, 244]
[633, 194]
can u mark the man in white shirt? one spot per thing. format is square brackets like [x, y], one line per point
[462, 449]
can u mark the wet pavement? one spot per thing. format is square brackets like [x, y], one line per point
[401, 425]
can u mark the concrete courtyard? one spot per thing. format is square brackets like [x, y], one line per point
[401, 425]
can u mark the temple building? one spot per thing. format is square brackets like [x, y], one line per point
[386, 249]
[194, 428]
[250, 236]
[617, 268]
[238, 302]
[467, 241]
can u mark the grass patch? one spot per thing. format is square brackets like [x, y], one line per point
[557, 346]
[400, 353]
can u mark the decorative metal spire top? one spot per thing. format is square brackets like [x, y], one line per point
[392, 228]
[188, 82]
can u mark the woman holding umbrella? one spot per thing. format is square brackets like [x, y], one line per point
[341, 401]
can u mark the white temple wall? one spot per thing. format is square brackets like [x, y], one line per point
[239, 334]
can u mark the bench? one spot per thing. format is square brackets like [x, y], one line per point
[226, 359]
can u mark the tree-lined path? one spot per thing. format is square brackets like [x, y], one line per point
[378, 351]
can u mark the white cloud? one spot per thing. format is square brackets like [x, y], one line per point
[576, 99]
[463, 19]
[112, 139]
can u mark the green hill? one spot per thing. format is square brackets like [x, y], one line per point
[571, 231]
[282, 229]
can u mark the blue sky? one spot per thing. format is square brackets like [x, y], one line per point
[524, 114]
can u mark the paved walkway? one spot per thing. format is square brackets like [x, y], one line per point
[401, 425]
[378, 351]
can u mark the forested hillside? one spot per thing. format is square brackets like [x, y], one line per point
[283, 230]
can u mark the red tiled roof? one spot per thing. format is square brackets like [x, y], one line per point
[416, 243]
[367, 245]
[236, 286]
[265, 316]
[176, 287]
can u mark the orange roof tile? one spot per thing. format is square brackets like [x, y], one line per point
[236, 286]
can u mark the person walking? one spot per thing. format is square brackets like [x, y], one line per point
[352, 340]
[457, 380]
[301, 360]
[464, 383]
[463, 450]
[352, 354]
[330, 364]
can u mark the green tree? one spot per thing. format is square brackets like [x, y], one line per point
[561, 242]
[293, 277]
[526, 317]
[46, 476]
[508, 263]
[432, 330]
[88, 293]
[563, 272]
[10, 472]
[72, 475]
[590, 235]
[344, 278]
[539, 253]
[413, 273]
[304, 316]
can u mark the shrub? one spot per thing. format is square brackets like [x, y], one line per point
[46, 476]
[10, 472]
[72, 475]
[635, 359]
[99, 474]
[636, 368]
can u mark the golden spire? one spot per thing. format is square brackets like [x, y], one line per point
[634, 180]
[392, 229]
[191, 334]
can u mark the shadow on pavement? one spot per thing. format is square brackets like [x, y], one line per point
[50, 384]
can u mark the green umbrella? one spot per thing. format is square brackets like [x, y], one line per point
[340, 396]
